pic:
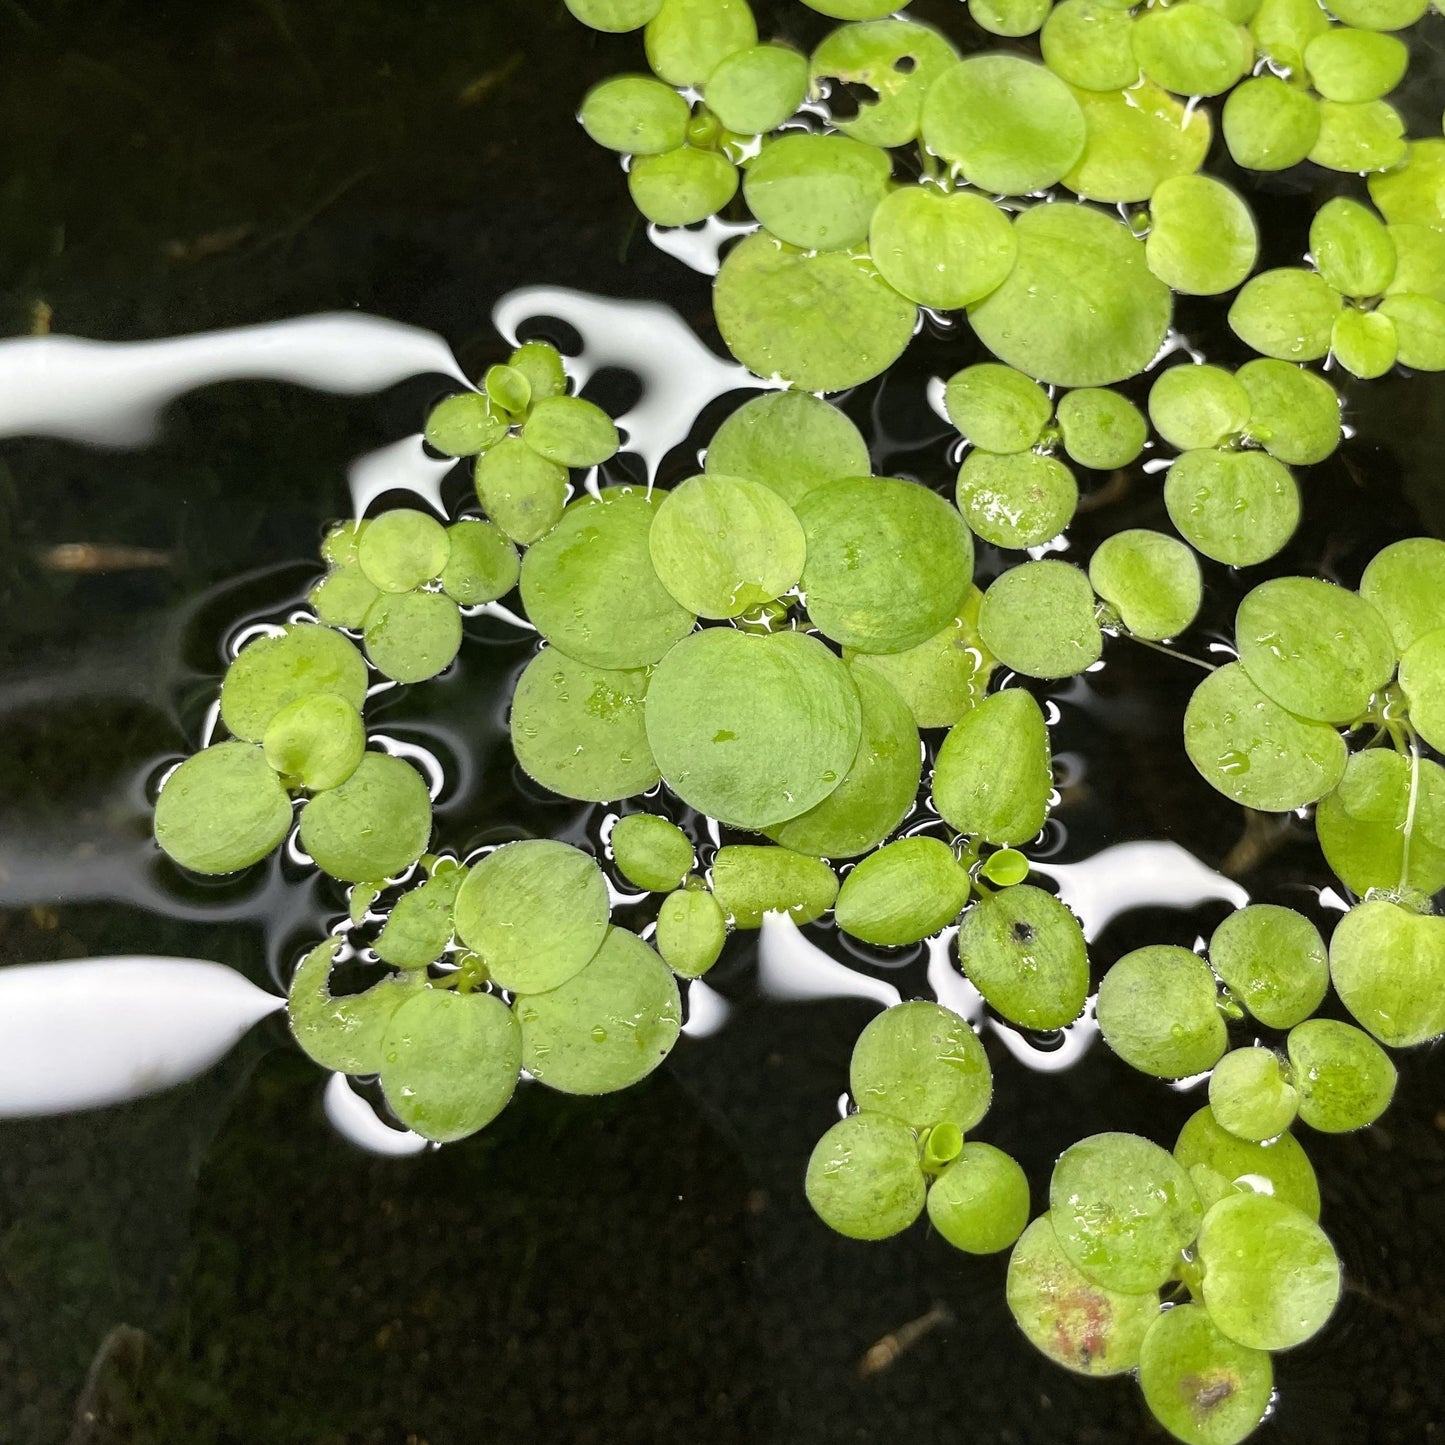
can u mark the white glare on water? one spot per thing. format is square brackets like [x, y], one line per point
[679, 375]
[111, 393]
[98, 1031]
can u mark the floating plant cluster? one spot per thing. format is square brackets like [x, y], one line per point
[795, 648]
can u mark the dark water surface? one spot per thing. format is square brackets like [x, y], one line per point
[217, 1260]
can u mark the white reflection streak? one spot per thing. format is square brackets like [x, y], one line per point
[707, 1010]
[356, 1121]
[402, 466]
[790, 968]
[111, 393]
[84, 1034]
[1141, 874]
[679, 375]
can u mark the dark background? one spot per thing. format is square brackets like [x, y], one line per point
[642, 1268]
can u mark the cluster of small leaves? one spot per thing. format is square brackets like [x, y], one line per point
[510, 963]
[1226, 1229]
[921, 1081]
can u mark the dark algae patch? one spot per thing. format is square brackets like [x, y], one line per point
[927, 573]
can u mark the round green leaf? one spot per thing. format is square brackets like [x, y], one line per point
[590, 588]
[751, 881]
[919, 562]
[1237, 507]
[1198, 406]
[535, 911]
[897, 60]
[411, 636]
[1369, 136]
[615, 16]
[817, 191]
[1271, 1277]
[691, 931]
[1414, 193]
[273, 672]
[569, 431]
[1419, 260]
[1038, 618]
[607, 1027]
[1355, 65]
[1250, 1094]
[1025, 953]
[722, 545]
[541, 364]
[1020, 500]
[482, 566]
[1254, 751]
[1135, 139]
[635, 114]
[1280, 1168]
[904, 892]
[997, 408]
[522, 492]
[1315, 648]
[823, 321]
[222, 809]
[1202, 237]
[1361, 825]
[1010, 17]
[419, 927]
[1007, 123]
[509, 389]
[1283, 30]
[1270, 125]
[688, 39]
[1388, 967]
[1286, 313]
[1364, 342]
[342, 597]
[376, 824]
[1089, 43]
[1345, 1079]
[450, 1062]
[1151, 580]
[921, 1064]
[1101, 429]
[1352, 248]
[1080, 307]
[1406, 583]
[980, 1203]
[1191, 49]
[1078, 1324]
[465, 424]
[752, 730]
[1273, 961]
[944, 675]
[863, 1177]
[878, 789]
[994, 773]
[650, 852]
[789, 441]
[1294, 414]
[943, 250]
[316, 742]
[1122, 1209]
[1379, 14]
[754, 91]
[1158, 1010]
[579, 730]
[343, 1032]
[403, 549]
[1419, 324]
[1198, 1383]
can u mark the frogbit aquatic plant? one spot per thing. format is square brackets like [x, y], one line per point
[844, 670]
